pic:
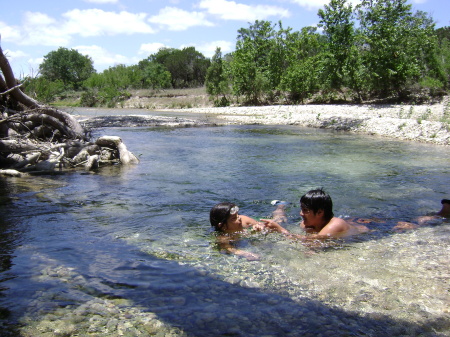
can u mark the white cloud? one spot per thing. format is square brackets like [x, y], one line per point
[41, 29]
[96, 22]
[103, 58]
[12, 55]
[209, 48]
[102, 1]
[315, 4]
[9, 33]
[311, 4]
[230, 10]
[150, 48]
[177, 19]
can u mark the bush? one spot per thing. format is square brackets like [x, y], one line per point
[108, 96]
[43, 90]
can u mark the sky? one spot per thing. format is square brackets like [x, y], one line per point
[113, 32]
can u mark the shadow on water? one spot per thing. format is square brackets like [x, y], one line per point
[188, 300]
[106, 287]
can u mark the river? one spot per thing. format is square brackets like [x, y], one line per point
[128, 251]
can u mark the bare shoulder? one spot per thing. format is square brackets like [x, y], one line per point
[339, 223]
[338, 227]
[247, 221]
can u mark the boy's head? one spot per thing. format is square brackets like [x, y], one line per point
[316, 200]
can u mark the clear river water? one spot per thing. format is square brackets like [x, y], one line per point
[128, 251]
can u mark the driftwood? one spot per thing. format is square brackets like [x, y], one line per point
[38, 138]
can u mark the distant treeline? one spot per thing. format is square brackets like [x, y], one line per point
[376, 50]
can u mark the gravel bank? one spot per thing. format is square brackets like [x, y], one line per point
[424, 123]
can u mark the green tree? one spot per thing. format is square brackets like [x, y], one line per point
[305, 66]
[397, 47]
[154, 75]
[336, 19]
[251, 65]
[187, 67]
[216, 82]
[67, 65]
[443, 33]
[42, 89]
[444, 52]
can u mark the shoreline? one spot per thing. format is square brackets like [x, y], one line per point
[421, 123]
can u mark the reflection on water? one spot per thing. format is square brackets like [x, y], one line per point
[128, 251]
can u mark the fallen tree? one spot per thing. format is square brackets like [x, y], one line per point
[36, 139]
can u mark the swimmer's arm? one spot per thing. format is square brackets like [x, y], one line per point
[250, 222]
[239, 252]
[227, 247]
[274, 226]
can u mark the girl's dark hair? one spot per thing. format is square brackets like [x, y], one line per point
[219, 214]
[445, 201]
[316, 200]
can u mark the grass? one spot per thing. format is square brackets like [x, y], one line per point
[150, 99]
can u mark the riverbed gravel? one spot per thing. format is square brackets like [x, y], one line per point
[425, 123]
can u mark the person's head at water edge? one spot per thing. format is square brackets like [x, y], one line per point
[225, 217]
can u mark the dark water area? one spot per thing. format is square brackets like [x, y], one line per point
[128, 251]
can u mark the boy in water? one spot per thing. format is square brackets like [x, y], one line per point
[319, 221]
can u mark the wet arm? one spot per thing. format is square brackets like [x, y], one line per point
[274, 226]
[225, 245]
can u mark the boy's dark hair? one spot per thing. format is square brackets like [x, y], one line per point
[445, 201]
[219, 214]
[316, 200]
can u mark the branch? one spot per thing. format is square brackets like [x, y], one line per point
[18, 95]
[9, 90]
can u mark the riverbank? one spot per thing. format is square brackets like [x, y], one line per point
[424, 123]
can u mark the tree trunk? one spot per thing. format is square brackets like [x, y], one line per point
[34, 137]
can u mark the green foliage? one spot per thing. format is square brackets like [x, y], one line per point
[187, 67]
[255, 64]
[68, 66]
[217, 84]
[392, 53]
[301, 79]
[107, 96]
[119, 77]
[154, 75]
[42, 89]
[443, 53]
[304, 71]
[337, 22]
[395, 44]
[378, 49]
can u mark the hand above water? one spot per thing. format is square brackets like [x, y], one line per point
[273, 226]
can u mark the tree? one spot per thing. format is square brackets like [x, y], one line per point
[304, 72]
[251, 65]
[443, 35]
[187, 67]
[216, 82]
[154, 75]
[67, 65]
[336, 19]
[43, 90]
[396, 46]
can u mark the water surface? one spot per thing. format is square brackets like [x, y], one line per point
[129, 250]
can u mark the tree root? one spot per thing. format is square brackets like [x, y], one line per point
[41, 139]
